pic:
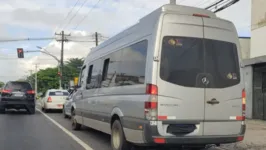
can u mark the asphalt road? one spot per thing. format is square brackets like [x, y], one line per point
[21, 131]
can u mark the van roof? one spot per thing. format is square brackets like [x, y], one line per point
[153, 17]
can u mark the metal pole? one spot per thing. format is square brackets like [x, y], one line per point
[96, 38]
[36, 86]
[60, 82]
[62, 57]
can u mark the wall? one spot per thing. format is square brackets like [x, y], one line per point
[245, 47]
[258, 28]
[248, 77]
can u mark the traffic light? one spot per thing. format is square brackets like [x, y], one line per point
[20, 52]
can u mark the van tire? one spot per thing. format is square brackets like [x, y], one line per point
[118, 139]
[74, 124]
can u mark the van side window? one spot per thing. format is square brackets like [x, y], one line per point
[133, 63]
[82, 72]
[89, 76]
[96, 75]
[113, 71]
[105, 69]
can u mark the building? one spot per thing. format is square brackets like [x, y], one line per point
[255, 66]
[258, 28]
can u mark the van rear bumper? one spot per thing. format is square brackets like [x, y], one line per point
[151, 133]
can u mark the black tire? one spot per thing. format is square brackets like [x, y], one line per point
[32, 110]
[74, 124]
[45, 110]
[2, 110]
[118, 139]
[64, 113]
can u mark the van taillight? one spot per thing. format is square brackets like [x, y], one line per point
[151, 89]
[150, 108]
[49, 99]
[31, 92]
[201, 15]
[243, 103]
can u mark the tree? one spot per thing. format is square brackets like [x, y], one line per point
[1, 84]
[49, 79]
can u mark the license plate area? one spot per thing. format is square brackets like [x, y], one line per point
[59, 105]
[181, 129]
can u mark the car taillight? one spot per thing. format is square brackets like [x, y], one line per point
[243, 103]
[31, 92]
[150, 106]
[49, 99]
[6, 91]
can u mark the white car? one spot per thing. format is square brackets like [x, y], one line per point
[69, 105]
[53, 99]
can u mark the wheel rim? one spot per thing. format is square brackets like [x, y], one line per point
[116, 138]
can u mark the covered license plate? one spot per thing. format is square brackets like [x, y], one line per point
[18, 95]
[60, 105]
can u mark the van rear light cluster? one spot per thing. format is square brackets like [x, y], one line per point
[151, 105]
[243, 104]
[49, 100]
[201, 15]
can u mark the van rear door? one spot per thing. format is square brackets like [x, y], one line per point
[223, 102]
[180, 97]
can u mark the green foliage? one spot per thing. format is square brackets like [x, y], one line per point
[49, 79]
[2, 84]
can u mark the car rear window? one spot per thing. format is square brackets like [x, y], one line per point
[58, 93]
[20, 86]
[184, 60]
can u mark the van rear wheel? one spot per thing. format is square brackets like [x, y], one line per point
[118, 140]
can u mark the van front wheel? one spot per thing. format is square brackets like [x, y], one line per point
[118, 140]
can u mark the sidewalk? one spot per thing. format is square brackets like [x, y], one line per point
[255, 137]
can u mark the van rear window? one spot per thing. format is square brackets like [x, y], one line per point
[185, 59]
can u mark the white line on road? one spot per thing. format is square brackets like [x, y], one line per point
[84, 145]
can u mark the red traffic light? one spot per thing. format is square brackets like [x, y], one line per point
[20, 52]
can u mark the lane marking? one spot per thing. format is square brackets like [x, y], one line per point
[75, 138]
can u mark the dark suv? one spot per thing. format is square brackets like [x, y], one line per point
[17, 95]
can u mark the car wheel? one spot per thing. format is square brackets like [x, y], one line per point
[118, 140]
[32, 110]
[64, 113]
[75, 125]
[2, 110]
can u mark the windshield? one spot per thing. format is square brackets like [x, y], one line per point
[183, 59]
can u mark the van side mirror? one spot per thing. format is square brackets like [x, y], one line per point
[67, 98]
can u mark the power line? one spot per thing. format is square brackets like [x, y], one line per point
[75, 14]
[87, 14]
[69, 13]
[26, 39]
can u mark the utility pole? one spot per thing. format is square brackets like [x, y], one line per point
[36, 86]
[96, 38]
[63, 39]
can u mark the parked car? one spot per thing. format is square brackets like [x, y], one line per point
[69, 105]
[174, 78]
[53, 99]
[17, 95]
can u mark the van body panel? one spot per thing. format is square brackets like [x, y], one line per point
[177, 101]
[222, 64]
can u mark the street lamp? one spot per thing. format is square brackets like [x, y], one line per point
[43, 50]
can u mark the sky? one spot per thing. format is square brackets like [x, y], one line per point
[44, 18]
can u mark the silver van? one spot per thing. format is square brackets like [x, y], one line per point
[174, 78]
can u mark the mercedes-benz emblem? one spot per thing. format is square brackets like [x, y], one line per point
[205, 80]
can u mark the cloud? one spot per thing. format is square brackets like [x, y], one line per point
[108, 18]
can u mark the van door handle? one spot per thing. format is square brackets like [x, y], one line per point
[213, 101]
